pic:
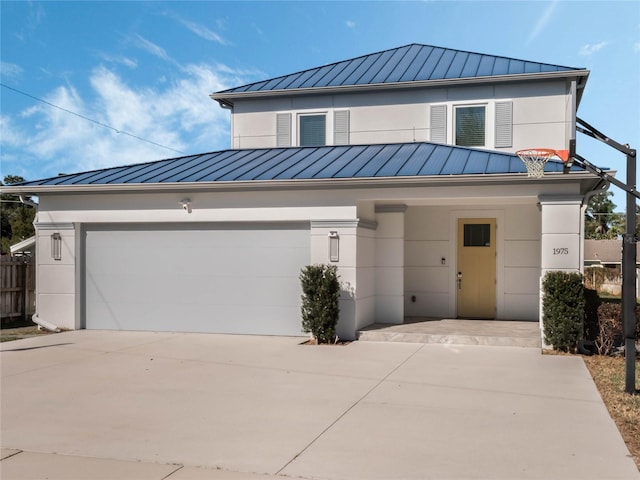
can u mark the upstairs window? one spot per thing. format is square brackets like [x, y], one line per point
[313, 130]
[470, 126]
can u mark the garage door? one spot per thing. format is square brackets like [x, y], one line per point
[213, 278]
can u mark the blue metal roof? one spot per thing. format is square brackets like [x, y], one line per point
[411, 63]
[417, 159]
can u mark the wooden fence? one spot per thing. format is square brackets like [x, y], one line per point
[17, 289]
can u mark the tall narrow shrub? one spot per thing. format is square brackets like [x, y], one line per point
[563, 310]
[320, 296]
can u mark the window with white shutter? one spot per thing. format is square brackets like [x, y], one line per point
[283, 130]
[313, 130]
[341, 127]
[470, 126]
[504, 124]
[439, 123]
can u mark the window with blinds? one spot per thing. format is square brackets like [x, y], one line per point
[313, 130]
[470, 126]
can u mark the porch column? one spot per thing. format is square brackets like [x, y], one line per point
[562, 230]
[561, 242]
[389, 262]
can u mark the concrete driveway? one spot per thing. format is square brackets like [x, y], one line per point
[89, 404]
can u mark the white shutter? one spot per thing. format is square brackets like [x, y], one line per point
[283, 130]
[439, 123]
[504, 124]
[341, 127]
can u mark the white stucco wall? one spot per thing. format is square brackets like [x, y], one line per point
[392, 240]
[431, 256]
[541, 114]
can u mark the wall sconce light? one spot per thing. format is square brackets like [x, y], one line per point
[186, 204]
[334, 246]
[56, 246]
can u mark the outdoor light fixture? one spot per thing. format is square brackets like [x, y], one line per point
[334, 247]
[56, 246]
[186, 204]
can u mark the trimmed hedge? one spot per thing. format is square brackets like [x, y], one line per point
[320, 296]
[563, 310]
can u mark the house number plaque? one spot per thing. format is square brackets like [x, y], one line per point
[561, 251]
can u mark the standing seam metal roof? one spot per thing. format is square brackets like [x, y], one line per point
[419, 159]
[409, 63]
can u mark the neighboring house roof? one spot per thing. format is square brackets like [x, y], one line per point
[27, 244]
[400, 66]
[418, 159]
[605, 252]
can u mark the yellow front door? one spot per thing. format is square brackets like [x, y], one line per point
[476, 279]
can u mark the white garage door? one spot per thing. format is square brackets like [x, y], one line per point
[213, 278]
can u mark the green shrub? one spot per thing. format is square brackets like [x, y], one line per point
[320, 296]
[563, 309]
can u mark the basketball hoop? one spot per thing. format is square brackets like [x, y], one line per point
[536, 158]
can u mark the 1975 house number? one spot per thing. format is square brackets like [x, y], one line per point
[561, 251]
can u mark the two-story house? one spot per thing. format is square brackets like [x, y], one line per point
[398, 167]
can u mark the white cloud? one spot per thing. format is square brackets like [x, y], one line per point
[589, 49]
[203, 31]
[350, 24]
[178, 114]
[151, 47]
[542, 22]
[257, 29]
[636, 47]
[10, 69]
[121, 59]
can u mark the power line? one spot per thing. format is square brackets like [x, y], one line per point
[90, 119]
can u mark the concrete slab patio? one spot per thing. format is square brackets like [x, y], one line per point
[191, 406]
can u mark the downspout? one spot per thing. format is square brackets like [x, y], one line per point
[44, 324]
[25, 201]
[35, 318]
[228, 106]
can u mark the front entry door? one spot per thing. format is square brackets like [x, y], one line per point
[476, 279]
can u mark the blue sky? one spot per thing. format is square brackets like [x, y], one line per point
[144, 70]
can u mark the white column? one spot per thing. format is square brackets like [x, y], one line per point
[561, 242]
[344, 232]
[56, 291]
[389, 261]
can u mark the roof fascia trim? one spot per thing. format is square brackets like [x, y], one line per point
[54, 226]
[391, 208]
[228, 97]
[355, 223]
[376, 182]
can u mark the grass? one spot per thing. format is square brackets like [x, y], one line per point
[609, 376]
[9, 334]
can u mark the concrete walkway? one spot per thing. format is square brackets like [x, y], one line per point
[118, 405]
[457, 332]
